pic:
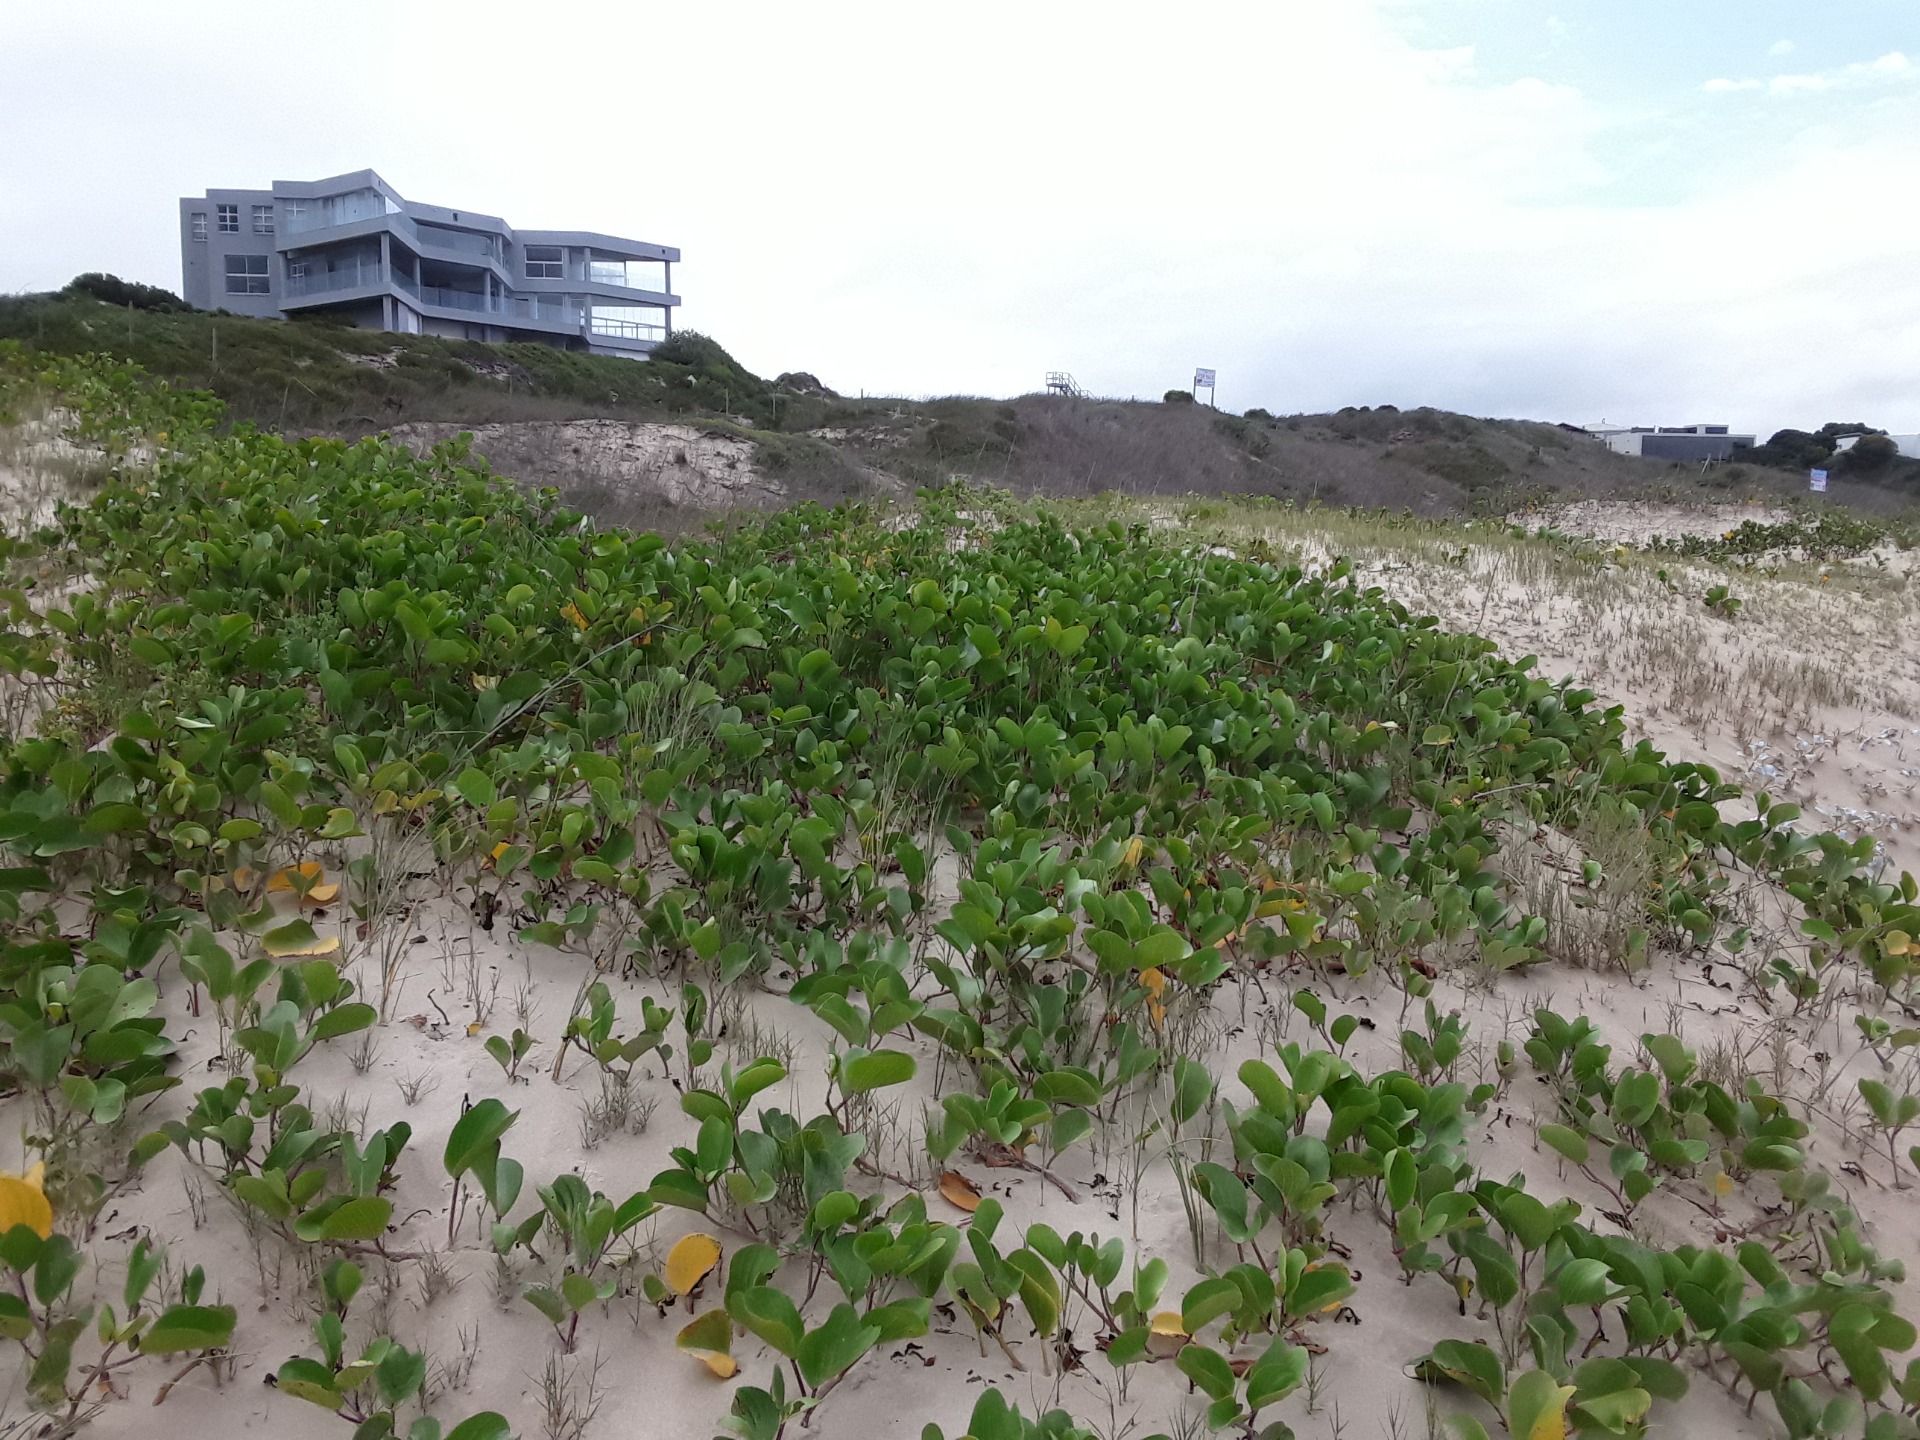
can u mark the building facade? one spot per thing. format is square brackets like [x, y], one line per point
[353, 248]
[1671, 442]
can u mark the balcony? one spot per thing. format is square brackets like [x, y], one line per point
[355, 276]
[599, 325]
[552, 315]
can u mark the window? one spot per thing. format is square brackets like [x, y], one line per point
[229, 219]
[247, 275]
[263, 219]
[545, 262]
[296, 270]
[200, 225]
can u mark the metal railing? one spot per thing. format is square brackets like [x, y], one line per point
[626, 329]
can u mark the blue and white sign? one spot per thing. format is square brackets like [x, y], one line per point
[1203, 379]
[1818, 481]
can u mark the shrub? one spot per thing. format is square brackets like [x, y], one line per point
[1256, 413]
[1178, 397]
[1869, 453]
[115, 291]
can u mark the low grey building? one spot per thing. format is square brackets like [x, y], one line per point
[353, 248]
[1672, 442]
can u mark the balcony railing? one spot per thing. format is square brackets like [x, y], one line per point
[546, 311]
[341, 277]
[626, 329]
[458, 299]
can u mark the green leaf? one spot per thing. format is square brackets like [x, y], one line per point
[1467, 1363]
[181, 1328]
[1616, 1411]
[476, 788]
[1192, 1088]
[475, 1134]
[872, 1072]
[309, 1380]
[835, 1346]
[1207, 1368]
[766, 1312]
[678, 1187]
[1207, 1301]
[363, 1217]
[348, 1019]
[1276, 1374]
[1568, 1141]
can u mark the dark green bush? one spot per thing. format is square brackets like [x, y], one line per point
[115, 291]
[1178, 397]
[1868, 454]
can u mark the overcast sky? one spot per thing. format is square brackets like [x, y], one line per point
[1637, 210]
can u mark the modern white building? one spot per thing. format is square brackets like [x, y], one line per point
[353, 248]
[1671, 442]
[1907, 445]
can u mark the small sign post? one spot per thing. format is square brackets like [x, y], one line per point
[1203, 380]
[1817, 481]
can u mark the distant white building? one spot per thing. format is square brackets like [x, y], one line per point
[1671, 442]
[1907, 445]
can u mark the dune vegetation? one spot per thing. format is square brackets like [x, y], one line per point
[962, 968]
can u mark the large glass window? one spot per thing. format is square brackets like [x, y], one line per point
[246, 274]
[263, 219]
[229, 219]
[546, 262]
[200, 225]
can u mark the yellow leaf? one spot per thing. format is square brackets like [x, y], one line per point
[23, 1201]
[474, 1028]
[484, 683]
[708, 1339]
[322, 894]
[1552, 1422]
[244, 877]
[297, 949]
[1723, 1184]
[959, 1191]
[498, 850]
[1897, 942]
[572, 612]
[690, 1260]
[1131, 856]
[1165, 1335]
[1155, 982]
[292, 876]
